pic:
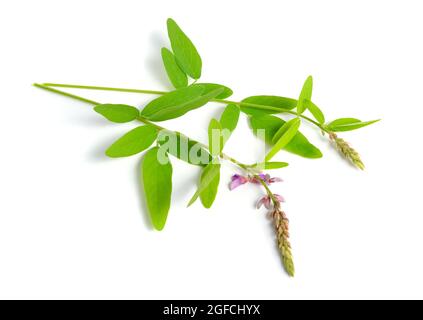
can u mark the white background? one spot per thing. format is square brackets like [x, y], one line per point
[73, 223]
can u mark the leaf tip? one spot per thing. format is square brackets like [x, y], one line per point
[158, 226]
[109, 154]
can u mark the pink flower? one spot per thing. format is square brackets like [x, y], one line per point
[279, 197]
[266, 178]
[274, 179]
[267, 201]
[263, 177]
[238, 180]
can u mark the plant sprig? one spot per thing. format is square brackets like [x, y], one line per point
[262, 109]
[143, 137]
[183, 66]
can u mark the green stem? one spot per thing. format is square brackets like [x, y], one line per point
[239, 164]
[270, 108]
[141, 119]
[75, 86]
[223, 101]
[69, 95]
[144, 120]
[269, 192]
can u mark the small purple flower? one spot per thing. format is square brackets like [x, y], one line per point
[238, 180]
[274, 179]
[266, 178]
[279, 197]
[263, 177]
[267, 201]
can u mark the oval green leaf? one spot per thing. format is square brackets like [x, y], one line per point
[229, 117]
[315, 111]
[208, 194]
[185, 149]
[185, 52]
[267, 104]
[343, 121]
[157, 181]
[299, 145]
[119, 113]
[283, 136]
[305, 94]
[176, 103]
[177, 77]
[275, 165]
[208, 176]
[208, 87]
[215, 131]
[176, 98]
[348, 124]
[270, 165]
[133, 142]
[282, 130]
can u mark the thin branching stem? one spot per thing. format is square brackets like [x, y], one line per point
[224, 156]
[223, 101]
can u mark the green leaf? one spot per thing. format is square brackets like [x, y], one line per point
[215, 131]
[274, 104]
[229, 117]
[305, 94]
[208, 194]
[343, 121]
[315, 111]
[228, 121]
[270, 165]
[118, 113]
[227, 92]
[176, 103]
[178, 78]
[347, 124]
[282, 130]
[177, 98]
[298, 145]
[133, 142]
[185, 149]
[157, 181]
[185, 52]
[283, 136]
[207, 177]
